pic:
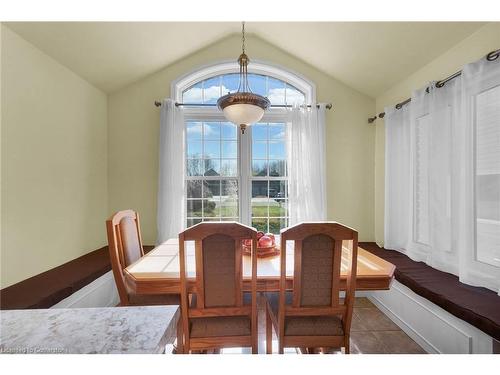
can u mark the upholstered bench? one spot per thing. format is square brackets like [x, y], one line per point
[479, 307]
[48, 288]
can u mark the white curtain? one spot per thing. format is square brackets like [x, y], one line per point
[397, 177]
[306, 149]
[479, 138]
[171, 199]
[442, 202]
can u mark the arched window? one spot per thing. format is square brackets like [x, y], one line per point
[233, 176]
[209, 90]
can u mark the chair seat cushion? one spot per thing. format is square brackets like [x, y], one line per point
[154, 299]
[221, 326]
[305, 325]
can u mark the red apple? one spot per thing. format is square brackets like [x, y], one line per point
[259, 234]
[265, 241]
[270, 235]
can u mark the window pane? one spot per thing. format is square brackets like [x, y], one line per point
[194, 208]
[211, 189]
[193, 95]
[259, 168]
[276, 131]
[194, 150]
[229, 198]
[194, 188]
[212, 150]
[194, 167]
[259, 150]
[211, 130]
[278, 189]
[193, 131]
[259, 198]
[229, 208]
[259, 189]
[257, 84]
[277, 150]
[276, 91]
[229, 189]
[191, 222]
[212, 167]
[277, 168]
[229, 167]
[211, 90]
[229, 131]
[294, 96]
[275, 225]
[260, 224]
[229, 149]
[277, 207]
[230, 83]
[211, 208]
[259, 131]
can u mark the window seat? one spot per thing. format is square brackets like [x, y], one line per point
[50, 287]
[478, 306]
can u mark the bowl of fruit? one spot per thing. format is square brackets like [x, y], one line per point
[266, 245]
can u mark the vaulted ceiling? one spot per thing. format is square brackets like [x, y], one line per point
[368, 56]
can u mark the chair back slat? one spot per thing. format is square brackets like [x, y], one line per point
[337, 264]
[318, 263]
[220, 279]
[125, 247]
[297, 271]
[131, 247]
[200, 286]
[316, 270]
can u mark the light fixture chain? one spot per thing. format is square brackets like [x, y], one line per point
[243, 36]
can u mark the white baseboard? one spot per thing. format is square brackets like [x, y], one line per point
[99, 293]
[433, 328]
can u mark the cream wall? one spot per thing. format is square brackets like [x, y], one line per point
[54, 162]
[470, 49]
[133, 129]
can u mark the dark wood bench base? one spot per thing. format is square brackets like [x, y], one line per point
[48, 288]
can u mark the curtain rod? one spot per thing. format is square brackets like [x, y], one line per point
[158, 104]
[493, 55]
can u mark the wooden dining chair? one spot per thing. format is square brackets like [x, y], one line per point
[125, 247]
[219, 314]
[313, 315]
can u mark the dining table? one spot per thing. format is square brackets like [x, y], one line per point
[158, 271]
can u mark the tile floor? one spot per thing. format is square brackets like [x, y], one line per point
[372, 332]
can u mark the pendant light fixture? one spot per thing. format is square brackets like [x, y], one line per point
[243, 107]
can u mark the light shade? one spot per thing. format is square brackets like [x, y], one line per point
[243, 108]
[243, 114]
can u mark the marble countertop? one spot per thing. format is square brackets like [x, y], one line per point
[143, 329]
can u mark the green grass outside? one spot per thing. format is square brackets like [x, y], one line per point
[259, 214]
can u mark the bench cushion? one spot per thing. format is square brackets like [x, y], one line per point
[478, 306]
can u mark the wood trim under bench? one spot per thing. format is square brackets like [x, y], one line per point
[50, 287]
